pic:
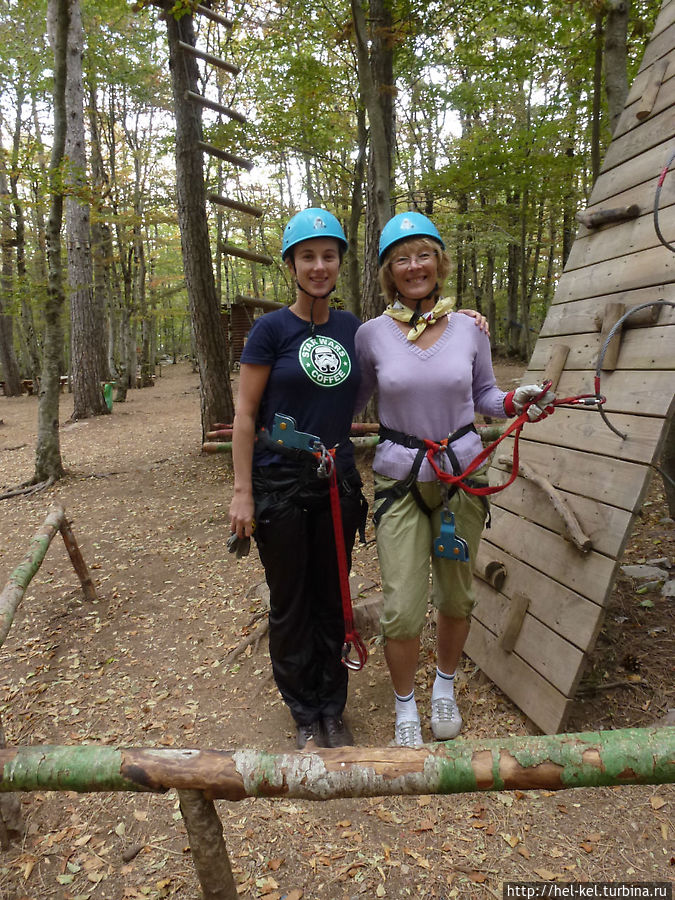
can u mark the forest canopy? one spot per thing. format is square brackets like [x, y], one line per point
[495, 117]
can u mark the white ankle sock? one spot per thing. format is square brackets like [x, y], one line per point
[406, 708]
[444, 685]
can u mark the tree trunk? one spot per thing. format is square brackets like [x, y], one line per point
[100, 238]
[353, 273]
[48, 462]
[210, 337]
[597, 97]
[8, 362]
[376, 83]
[87, 332]
[616, 59]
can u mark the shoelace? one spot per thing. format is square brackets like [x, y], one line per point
[408, 734]
[444, 709]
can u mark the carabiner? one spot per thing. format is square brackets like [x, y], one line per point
[354, 664]
[326, 462]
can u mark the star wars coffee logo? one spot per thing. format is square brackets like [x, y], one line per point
[325, 361]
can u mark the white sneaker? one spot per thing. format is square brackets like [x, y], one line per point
[408, 733]
[446, 722]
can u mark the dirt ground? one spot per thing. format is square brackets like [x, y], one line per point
[146, 666]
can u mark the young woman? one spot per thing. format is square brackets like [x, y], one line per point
[300, 362]
[433, 372]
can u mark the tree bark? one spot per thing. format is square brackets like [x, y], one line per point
[205, 834]
[8, 361]
[376, 83]
[616, 58]
[48, 463]
[596, 122]
[551, 762]
[210, 337]
[87, 331]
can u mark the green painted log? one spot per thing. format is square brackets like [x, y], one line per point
[13, 592]
[553, 762]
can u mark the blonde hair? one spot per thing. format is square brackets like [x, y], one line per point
[409, 248]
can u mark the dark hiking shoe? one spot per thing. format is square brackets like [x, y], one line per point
[335, 732]
[308, 735]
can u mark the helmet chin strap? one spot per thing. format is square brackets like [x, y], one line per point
[414, 318]
[314, 298]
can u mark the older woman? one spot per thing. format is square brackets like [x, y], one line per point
[432, 371]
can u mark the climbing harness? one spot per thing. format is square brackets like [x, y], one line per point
[288, 441]
[430, 450]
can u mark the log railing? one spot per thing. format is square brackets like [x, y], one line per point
[551, 762]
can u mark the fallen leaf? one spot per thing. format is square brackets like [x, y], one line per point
[657, 802]
[546, 874]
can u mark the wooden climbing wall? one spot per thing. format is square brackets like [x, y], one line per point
[532, 633]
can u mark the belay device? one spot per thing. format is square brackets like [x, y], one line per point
[448, 545]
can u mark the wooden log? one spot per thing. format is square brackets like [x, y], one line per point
[214, 16]
[646, 317]
[13, 592]
[258, 302]
[205, 834]
[519, 606]
[77, 560]
[556, 364]
[613, 312]
[209, 58]
[238, 161]
[552, 762]
[599, 217]
[219, 434]
[574, 530]
[217, 107]
[236, 204]
[232, 250]
[656, 76]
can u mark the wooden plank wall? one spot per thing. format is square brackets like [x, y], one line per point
[603, 477]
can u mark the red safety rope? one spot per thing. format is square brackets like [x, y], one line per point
[352, 637]
[514, 428]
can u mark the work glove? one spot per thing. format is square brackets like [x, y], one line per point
[240, 546]
[540, 399]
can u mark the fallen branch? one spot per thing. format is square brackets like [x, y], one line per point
[574, 531]
[589, 690]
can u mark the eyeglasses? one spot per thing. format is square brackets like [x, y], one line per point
[404, 262]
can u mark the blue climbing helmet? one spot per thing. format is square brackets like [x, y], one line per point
[312, 223]
[405, 226]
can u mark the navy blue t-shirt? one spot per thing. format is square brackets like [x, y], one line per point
[313, 379]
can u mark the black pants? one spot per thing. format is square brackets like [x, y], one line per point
[295, 538]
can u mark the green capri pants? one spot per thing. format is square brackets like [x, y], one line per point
[405, 541]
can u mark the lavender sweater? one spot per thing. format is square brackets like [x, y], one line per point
[428, 393]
